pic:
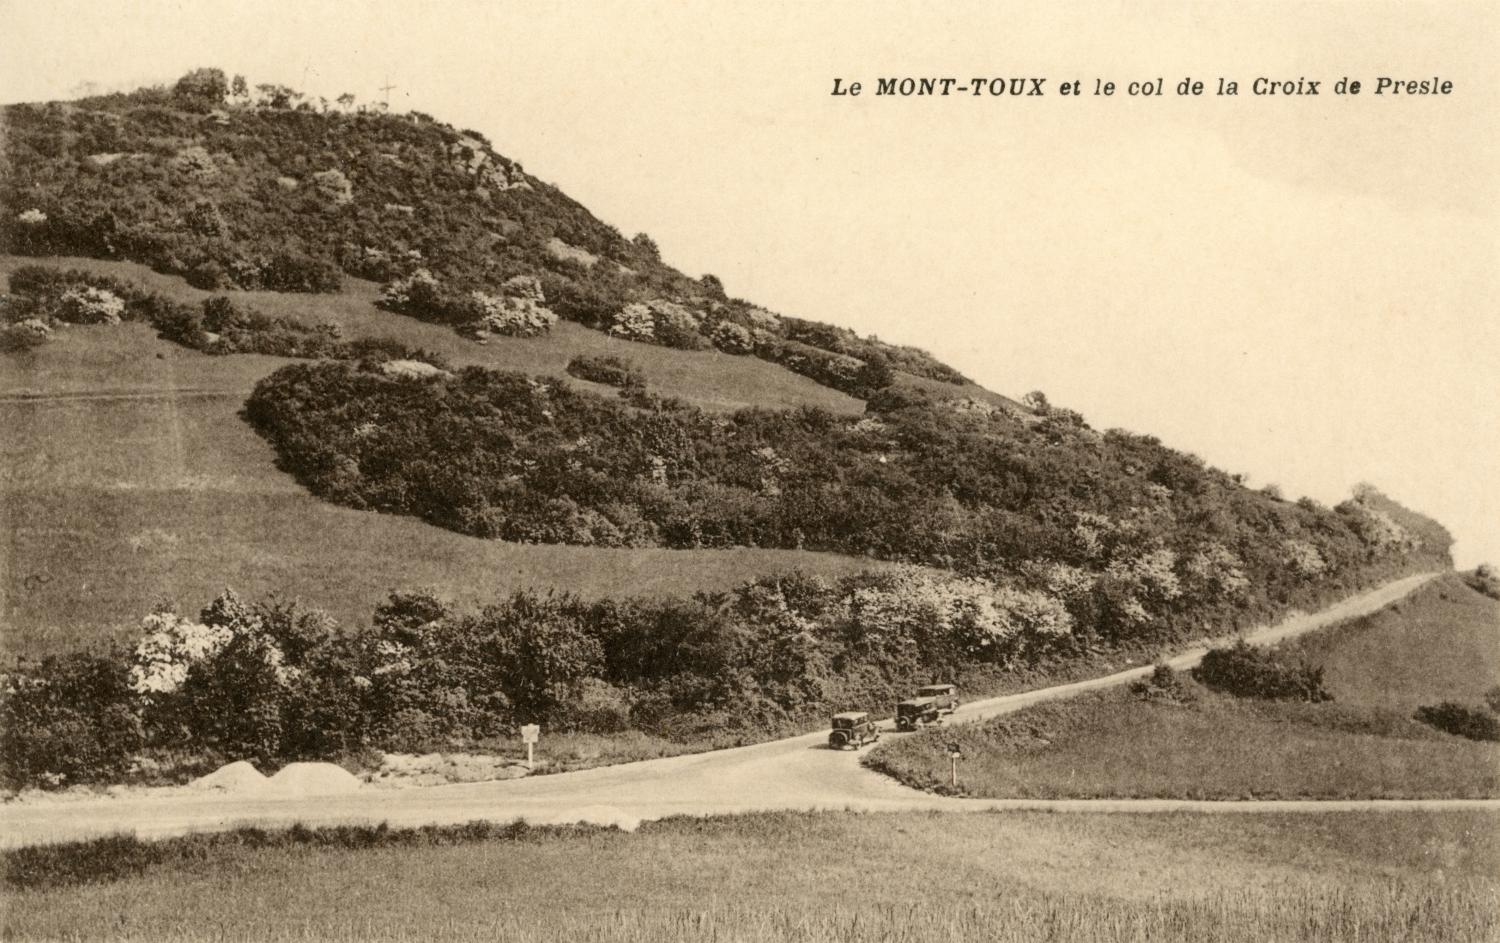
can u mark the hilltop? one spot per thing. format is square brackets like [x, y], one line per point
[265, 191]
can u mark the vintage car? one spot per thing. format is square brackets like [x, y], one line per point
[853, 728]
[946, 696]
[917, 712]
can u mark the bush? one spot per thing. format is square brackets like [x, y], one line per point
[19, 338]
[1471, 722]
[607, 369]
[1246, 671]
[1164, 684]
[1484, 579]
[68, 719]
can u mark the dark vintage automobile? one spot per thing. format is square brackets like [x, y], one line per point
[916, 712]
[853, 728]
[946, 696]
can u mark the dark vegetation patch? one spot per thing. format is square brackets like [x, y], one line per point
[1472, 723]
[1484, 579]
[1247, 671]
[117, 857]
[607, 369]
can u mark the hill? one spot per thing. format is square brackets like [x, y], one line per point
[127, 478]
[336, 354]
[264, 192]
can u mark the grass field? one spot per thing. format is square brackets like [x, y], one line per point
[126, 477]
[1440, 644]
[707, 378]
[800, 876]
[107, 505]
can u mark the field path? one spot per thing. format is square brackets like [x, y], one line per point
[797, 773]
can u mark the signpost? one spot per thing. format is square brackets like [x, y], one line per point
[955, 753]
[529, 735]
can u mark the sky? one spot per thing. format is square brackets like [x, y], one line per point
[1300, 289]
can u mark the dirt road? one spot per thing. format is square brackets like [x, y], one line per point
[798, 773]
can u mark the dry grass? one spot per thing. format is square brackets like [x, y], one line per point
[1439, 644]
[800, 876]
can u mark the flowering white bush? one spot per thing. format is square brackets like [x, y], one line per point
[634, 322]
[395, 658]
[732, 338]
[32, 217]
[845, 368]
[35, 326]
[762, 320]
[1304, 558]
[1215, 568]
[169, 647]
[912, 602]
[1062, 580]
[1090, 531]
[398, 293]
[1152, 574]
[1378, 530]
[670, 316]
[91, 306]
[334, 186]
[518, 312]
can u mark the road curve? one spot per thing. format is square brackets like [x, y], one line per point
[797, 773]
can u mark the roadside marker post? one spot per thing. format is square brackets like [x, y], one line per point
[529, 735]
[955, 753]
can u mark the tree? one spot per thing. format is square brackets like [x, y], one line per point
[346, 100]
[1036, 401]
[239, 88]
[648, 245]
[204, 85]
[277, 96]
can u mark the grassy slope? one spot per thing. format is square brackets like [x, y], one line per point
[707, 378]
[131, 479]
[1443, 643]
[803, 876]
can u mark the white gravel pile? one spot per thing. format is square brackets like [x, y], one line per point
[238, 776]
[312, 779]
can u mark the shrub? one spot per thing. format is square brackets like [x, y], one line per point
[1163, 684]
[1471, 722]
[1484, 579]
[519, 311]
[732, 338]
[23, 336]
[91, 306]
[66, 720]
[1246, 671]
[1492, 699]
[607, 369]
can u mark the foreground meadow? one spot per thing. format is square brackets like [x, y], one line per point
[801, 876]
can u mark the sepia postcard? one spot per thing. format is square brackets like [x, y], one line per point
[744, 471]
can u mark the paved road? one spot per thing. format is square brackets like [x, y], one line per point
[798, 773]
